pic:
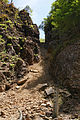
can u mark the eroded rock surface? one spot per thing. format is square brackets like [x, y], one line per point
[19, 38]
[67, 67]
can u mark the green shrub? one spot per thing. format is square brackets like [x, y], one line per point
[9, 44]
[64, 17]
[6, 1]
[0, 36]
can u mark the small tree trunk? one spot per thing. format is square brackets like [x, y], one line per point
[56, 104]
[11, 1]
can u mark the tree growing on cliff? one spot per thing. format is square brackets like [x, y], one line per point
[64, 17]
[6, 1]
[11, 1]
[28, 9]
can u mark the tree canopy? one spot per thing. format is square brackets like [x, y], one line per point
[6, 1]
[64, 16]
[28, 9]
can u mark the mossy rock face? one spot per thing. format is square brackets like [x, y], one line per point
[66, 67]
[3, 26]
[2, 46]
[19, 68]
[3, 17]
[18, 36]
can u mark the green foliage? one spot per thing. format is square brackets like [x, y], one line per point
[14, 38]
[32, 26]
[9, 21]
[10, 37]
[3, 17]
[16, 14]
[4, 26]
[11, 66]
[64, 17]
[9, 44]
[6, 1]
[1, 40]
[42, 40]
[28, 9]
[0, 36]
[36, 55]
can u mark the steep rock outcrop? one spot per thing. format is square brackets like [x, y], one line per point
[66, 68]
[64, 54]
[19, 39]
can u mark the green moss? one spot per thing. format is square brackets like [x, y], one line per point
[2, 60]
[7, 10]
[14, 37]
[3, 52]
[20, 38]
[9, 21]
[35, 55]
[4, 26]
[60, 101]
[16, 14]
[14, 58]
[12, 65]
[4, 63]
[32, 26]
[2, 42]
[10, 37]
[42, 40]
[15, 21]
[9, 44]
[11, 25]
[26, 23]
[18, 17]
[0, 36]
[21, 48]
[3, 17]
[23, 40]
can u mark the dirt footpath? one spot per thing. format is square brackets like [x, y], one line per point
[28, 101]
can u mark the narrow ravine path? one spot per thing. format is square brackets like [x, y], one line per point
[28, 99]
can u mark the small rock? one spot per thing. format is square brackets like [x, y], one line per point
[49, 104]
[49, 91]
[42, 86]
[48, 114]
[46, 118]
[2, 113]
[60, 118]
[38, 118]
[8, 86]
[2, 88]
[34, 71]
[43, 104]
[21, 82]
[17, 87]
[42, 114]
[76, 115]
[55, 118]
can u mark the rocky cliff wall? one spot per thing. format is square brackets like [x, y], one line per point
[19, 39]
[64, 56]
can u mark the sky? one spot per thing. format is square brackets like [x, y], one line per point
[40, 9]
